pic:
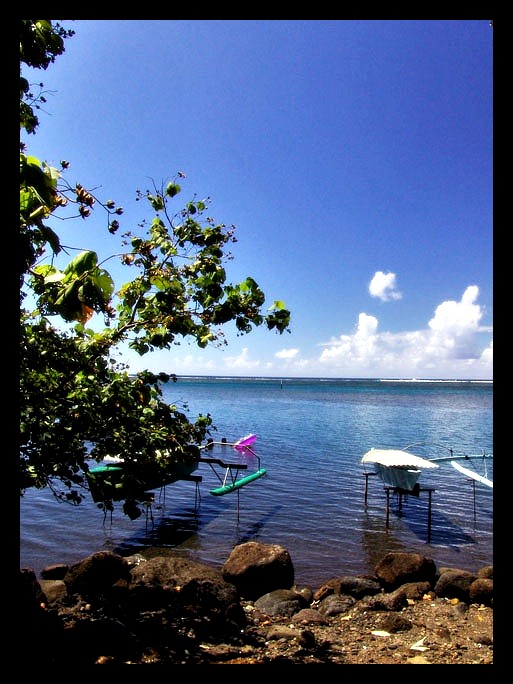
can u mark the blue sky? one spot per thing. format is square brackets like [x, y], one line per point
[354, 158]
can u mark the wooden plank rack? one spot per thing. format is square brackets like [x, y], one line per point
[403, 492]
[218, 461]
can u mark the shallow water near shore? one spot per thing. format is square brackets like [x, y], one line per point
[311, 435]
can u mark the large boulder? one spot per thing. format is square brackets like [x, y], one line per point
[90, 641]
[257, 569]
[486, 572]
[455, 584]
[481, 591]
[41, 630]
[188, 588]
[94, 577]
[399, 568]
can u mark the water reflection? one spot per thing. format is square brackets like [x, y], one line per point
[376, 539]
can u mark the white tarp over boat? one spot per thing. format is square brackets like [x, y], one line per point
[396, 467]
[397, 458]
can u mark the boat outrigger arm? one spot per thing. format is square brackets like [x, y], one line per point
[472, 474]
[454, 461]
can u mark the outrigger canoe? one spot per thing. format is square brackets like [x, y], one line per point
[107, 481]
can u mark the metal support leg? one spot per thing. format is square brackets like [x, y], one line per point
[429, 515]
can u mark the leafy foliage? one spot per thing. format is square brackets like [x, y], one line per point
[78, 403]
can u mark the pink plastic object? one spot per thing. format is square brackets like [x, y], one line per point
[244, 442]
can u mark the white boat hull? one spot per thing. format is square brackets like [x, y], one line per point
[394, 476]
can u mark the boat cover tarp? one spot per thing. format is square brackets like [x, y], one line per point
[396, 458]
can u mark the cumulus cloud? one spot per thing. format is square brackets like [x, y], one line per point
[453, 344]
[242, 361]
[287, 353]
[487, 355]
[447, 346]
[454, 325]
[384, 287]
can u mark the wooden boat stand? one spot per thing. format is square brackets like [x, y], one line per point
[162, 496]
[231, 482]
[402, 492]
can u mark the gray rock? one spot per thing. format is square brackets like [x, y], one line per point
[54, 590]
[281, 602]
[335, 604]
[357, 586]
[309, 616]
[396, 600]
[55, 572]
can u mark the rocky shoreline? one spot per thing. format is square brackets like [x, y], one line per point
[168, 610]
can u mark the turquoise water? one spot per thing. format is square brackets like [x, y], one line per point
[311, 435]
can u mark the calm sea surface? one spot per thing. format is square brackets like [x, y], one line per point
[311, 435]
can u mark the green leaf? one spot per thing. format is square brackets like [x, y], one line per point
[172, 189]
[85, 261]
[104, 282]
[156, 202]
[55, 277]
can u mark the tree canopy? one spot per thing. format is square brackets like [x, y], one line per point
[78, 402]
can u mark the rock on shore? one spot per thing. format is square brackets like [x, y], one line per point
[169, 610]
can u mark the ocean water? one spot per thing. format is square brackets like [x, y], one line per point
[311, 436]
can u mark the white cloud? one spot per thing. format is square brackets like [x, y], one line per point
[453, 344]
[383, 286]
[287, 353]
[447, 348]
[457, 320]
[487, 354]
[242, 361]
